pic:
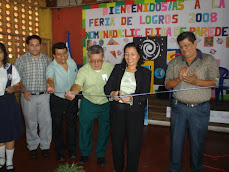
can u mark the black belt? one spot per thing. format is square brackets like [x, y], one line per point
[38, 93]
[189, 104]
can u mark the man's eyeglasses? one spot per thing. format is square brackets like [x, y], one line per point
[96, 61]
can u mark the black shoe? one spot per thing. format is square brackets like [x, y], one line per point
[33, 154]
[60, 157]
[11, 170]
[83, 159]
[101, 162]
[45, 152]
[72, 155]
[1, 168]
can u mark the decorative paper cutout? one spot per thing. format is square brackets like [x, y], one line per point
[112, 42]
[114, 54]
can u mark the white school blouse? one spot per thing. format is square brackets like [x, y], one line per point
[3, 78]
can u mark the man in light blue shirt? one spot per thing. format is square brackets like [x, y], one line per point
[60, 75]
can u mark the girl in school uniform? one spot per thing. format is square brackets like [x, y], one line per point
[11, 124]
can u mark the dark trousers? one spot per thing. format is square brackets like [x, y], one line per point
[88, 112]
[195, 119]
[59, 107]
[126, 124]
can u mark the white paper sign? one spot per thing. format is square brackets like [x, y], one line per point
[104, 76]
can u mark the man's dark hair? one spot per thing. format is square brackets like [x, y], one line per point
[59, 45]
[138, 49]
[33, 37]
[190, 35]
[94, 49]
[5, 58]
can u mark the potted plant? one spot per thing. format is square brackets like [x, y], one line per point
[69, 168]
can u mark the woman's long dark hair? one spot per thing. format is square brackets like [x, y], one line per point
[136, 46]
[5, 58]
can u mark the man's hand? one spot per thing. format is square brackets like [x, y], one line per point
[69, 95]
[50, 89]
[192, 79]
[27, 95]
[75, 89]
[183, 72]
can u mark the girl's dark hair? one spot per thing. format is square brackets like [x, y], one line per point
[5, 58]
[138, 49]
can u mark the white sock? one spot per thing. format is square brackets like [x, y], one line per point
[2, 155]
[9, 159]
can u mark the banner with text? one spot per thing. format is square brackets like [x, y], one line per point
[155, 25]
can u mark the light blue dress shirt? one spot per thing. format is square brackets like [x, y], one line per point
[63, 79]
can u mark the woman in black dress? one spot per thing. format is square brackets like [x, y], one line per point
[127, 113]
[11, 124]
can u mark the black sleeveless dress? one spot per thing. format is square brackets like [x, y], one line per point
[11, 123]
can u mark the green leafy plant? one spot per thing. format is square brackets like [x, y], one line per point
[69, 168]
